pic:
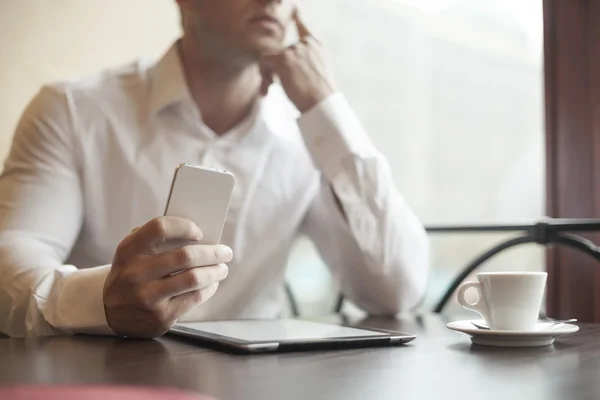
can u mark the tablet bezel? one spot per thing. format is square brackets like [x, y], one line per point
[391, 338]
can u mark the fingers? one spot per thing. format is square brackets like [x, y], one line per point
[191, 256]
[278, 62]
[159, 230]
[191, 280]
[181, 304]
[273, 63]
[303, 32]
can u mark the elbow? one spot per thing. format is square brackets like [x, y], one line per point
[19, 309]
[406, 286]
[396, 297]
[12, 315]
[416, 272]
[400, 300]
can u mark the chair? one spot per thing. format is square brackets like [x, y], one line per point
[547, 232]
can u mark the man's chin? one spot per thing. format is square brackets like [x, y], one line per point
[267, 45]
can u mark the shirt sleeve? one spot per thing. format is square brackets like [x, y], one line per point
[374, 244]
[41, 213]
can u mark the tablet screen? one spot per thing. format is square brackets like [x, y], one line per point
[278, 330]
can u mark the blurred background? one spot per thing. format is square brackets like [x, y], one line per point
[451, 91]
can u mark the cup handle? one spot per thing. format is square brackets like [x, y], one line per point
[479, 305]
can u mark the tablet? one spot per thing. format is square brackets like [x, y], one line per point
[286, 334]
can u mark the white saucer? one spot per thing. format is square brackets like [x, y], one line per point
[543, 335]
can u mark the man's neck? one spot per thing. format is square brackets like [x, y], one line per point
[225, 88]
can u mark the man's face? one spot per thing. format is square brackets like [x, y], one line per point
[251, 26]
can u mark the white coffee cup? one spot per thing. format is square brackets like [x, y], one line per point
[507, 300]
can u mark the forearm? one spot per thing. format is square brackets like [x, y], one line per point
[39, 296]
[395, 262]
[379, 257]
[379, 244]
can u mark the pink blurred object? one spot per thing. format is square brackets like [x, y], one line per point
[96, 393]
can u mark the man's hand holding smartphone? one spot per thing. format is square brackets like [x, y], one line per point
[142, 296]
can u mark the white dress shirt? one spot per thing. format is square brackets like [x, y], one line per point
[93, 158]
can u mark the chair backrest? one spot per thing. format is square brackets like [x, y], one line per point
[546, 232]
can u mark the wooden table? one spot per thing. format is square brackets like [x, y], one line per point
[440, 364]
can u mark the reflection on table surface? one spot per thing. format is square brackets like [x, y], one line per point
[439, 363]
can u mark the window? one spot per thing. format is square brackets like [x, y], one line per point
[451, 91]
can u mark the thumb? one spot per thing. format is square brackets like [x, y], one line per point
[267, 79]
[267, 71]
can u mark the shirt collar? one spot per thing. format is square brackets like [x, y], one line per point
[169, 85]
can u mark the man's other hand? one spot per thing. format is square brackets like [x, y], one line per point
[303, 70]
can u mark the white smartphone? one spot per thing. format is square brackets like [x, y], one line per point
[201, 195]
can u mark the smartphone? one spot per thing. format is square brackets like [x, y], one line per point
[202, 195]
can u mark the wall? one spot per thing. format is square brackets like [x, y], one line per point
[44, 41]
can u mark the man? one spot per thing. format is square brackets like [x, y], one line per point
[92, 159]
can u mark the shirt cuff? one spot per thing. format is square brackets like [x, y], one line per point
[332, 133]
[80, 305]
